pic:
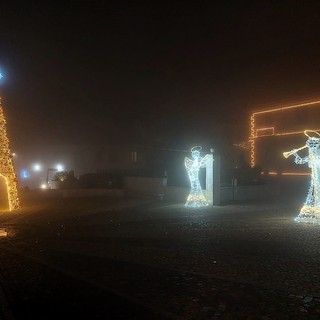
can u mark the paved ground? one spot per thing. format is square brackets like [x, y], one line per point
[138, 259]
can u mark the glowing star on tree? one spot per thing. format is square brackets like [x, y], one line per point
[310, 212]
[196, 199]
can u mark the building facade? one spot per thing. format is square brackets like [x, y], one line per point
[278, 129]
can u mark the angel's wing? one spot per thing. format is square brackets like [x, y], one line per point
[188, 162]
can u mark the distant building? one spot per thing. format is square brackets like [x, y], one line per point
[35, 163]
[278, 129]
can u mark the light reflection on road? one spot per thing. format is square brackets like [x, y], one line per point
[3, 232]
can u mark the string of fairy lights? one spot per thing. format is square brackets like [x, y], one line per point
[196, 199]
[310, 212]
[6, 165]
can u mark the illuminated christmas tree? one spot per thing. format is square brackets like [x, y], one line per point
[6, 165]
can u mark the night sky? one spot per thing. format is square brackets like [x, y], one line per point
[94, 72]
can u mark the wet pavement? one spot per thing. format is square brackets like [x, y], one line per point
[143, 259]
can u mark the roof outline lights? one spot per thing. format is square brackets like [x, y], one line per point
[253, 135]
[264, 129]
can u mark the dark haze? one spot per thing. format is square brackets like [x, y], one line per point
[92, 72]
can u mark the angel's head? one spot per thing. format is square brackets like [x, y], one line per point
[313, 141]
[195, 152]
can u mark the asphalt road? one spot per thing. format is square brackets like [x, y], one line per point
[99, 258]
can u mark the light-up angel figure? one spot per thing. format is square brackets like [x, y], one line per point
[310, 212]
[196, 199]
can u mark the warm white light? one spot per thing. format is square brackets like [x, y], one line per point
[3, 232]
[43, 186]
[6, 165]
[36, 167]
[310, 212]
[59, 167]
[254, 133]
[196, 199]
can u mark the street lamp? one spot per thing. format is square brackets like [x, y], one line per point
[59, 167]
[36, 167]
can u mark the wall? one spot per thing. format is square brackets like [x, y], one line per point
[145, 186]
[227, 193]
[156, 187]
[72, 193]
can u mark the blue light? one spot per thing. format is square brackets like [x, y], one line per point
[1, 76]
[24, 174]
